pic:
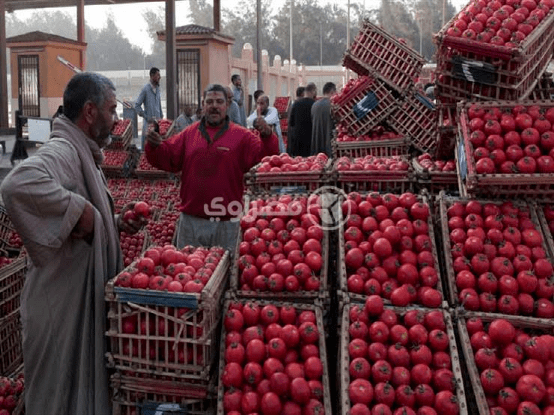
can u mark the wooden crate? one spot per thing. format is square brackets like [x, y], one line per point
[342, 273]
[545, 326]
[303, 296]
[344, 358]
[12, 279]
[444, 202]
[316, 308]
[11, 349]
[379, 148]
[517, 185]
[175, 332]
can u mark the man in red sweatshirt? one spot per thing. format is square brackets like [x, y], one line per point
[212, 156]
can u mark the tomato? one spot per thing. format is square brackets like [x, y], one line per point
[360, 391]
[531, 388]
[492, 381]
[446, 403]
[501, 332]
[232, 375]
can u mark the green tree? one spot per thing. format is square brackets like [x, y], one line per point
[155, 22]
[201, 13]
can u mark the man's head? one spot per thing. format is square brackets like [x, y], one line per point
[329, 89]
[229, 96]
[188, 110]
[300, 92]
[311, 90]
[262, 104]
[155, 76]
[215, 104]
[257, 94]
[89, 102]
[235, 80]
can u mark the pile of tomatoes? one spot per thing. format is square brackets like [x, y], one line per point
[498, 259]
[11, 392]
[399, 362]
[272, 360]
[516, 367]
[388, 250]
[515, 140]
[282, 245]
[115, 158]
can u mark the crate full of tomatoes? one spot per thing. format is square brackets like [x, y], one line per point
[509, 361]
[378, 144]
[117, 163]
[506, 148]
[496, 257]
[362, 104]
[282, 249]
[122, 134]
[282, 171]
[494, 51]
[382, 168]
[387, 248]
[398, 360]
[374, 51]
[281, 104]
[145, 170]
[163, 311]
[273, 359]
[11, 353]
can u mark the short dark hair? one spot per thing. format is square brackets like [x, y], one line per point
[311, 87]
[82, 88]
[154, 70]
[329, 87]
[265, 98]
[215, 88]
[257, 94]
[300, 91]
[235, 76]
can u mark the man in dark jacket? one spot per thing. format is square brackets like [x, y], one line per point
[301, 122]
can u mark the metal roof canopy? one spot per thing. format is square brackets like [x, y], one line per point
[171, 67]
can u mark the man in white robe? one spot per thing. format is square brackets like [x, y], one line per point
[59, 203]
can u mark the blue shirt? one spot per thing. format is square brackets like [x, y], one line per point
[152, 100]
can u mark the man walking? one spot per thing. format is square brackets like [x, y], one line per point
[322, 122]
[151, 97]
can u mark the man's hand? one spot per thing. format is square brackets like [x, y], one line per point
[84, 228]
[130, 226]
[154, 138]
[263, 127]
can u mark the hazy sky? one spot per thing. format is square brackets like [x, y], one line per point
[129, 19]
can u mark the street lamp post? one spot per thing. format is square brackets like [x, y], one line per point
[290, 16]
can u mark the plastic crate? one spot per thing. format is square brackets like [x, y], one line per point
[326, 400]
[343, 274]
[444, 202]
[546, 230]
[518, 185]
[496, 72]
[180, 330]
[374, 180]
[365, 106]
[12, 279]
[374, 51]
[379, 148]
[278, 182]
[416, 117]
[344, 358]
[141, 397]
[303, 296]
[6, 231]
[11, 351]
[530, 325]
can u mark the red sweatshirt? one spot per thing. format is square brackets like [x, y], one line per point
[212, 162]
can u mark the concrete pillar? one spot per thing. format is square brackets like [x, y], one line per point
[170, 60]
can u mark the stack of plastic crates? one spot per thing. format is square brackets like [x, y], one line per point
[468, 69]
[374, 52]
